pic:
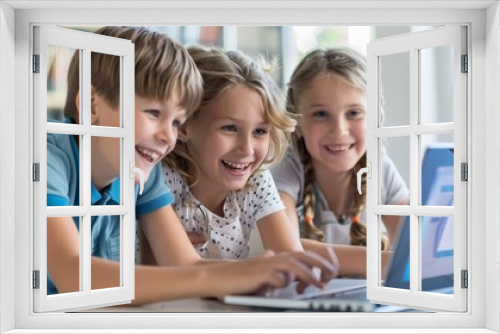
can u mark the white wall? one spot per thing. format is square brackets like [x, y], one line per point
[7, 187]
[491, 168]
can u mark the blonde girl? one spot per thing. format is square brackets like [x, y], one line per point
[218, 172]
[317, 179]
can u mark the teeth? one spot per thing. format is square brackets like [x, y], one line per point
[236, 165]
[153, 155]
[338, 147]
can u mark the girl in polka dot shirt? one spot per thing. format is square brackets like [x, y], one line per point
[218, 169]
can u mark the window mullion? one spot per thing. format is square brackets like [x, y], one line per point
[86, 242]
[414, 186]
[85, 230]
[419, 210]
[418, 129]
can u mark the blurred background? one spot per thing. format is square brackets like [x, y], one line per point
[288, 45]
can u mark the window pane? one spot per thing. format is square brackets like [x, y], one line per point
[437, 178]
[105, 78]
[63, 278]
[105, 170]
[106, 243]
[258, 41]
[437, 254]
[436, 84]
[395, 92]
[397, 269]
[58, 65]
[394, 170]
[63, 170]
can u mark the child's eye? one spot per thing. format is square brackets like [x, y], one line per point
[153, 113]
[176, 123]
[354, 114]
[320, 114]
[229, 128]
[261, 132]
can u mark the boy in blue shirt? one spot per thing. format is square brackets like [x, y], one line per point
[168, 89]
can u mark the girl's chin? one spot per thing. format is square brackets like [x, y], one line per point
[341, 167]
[235, 186]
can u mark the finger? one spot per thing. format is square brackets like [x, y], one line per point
[301, 287]
[274, 279]
[298, 269]
[312, 259]
[196, 237]
[264, 290]
[332, 257]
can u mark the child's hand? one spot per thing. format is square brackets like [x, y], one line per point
[269, 270]
[326, 251]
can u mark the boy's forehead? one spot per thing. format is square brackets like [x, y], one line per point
[170, 104]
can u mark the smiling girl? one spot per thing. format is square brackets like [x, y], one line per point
[218, 173]
[317, 179]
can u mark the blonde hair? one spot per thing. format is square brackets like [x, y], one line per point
[163, 69]
[222, 70]
[348, 66]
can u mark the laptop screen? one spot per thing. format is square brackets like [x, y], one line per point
[437, 232]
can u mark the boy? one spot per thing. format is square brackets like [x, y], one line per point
[167, 90]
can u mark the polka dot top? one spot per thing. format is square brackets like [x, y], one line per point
[226, 237]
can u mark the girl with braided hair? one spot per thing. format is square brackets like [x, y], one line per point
[317, 178]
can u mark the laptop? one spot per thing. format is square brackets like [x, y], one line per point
[349, 295]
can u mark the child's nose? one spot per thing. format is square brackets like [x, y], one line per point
[167, 136]
[245, 144]
[339, 128]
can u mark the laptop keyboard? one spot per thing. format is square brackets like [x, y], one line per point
[348, 295]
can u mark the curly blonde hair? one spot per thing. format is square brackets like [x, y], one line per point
[350, 67]
[222, 70]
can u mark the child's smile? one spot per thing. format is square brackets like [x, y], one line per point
[338, 149]
[235, 168]
[151, 156]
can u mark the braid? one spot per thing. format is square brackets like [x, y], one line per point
[311, 230]
[358, 231]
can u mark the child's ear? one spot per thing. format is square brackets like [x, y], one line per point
[183, 136]
[77, 105]
[93, 106]
[94, 110]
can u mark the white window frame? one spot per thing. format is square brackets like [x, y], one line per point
[84, 43]
[411, 44]
[484, 308]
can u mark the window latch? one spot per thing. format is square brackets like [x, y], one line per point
[368, 171]
[134, 170]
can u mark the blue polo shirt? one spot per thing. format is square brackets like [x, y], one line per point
[63, 190]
